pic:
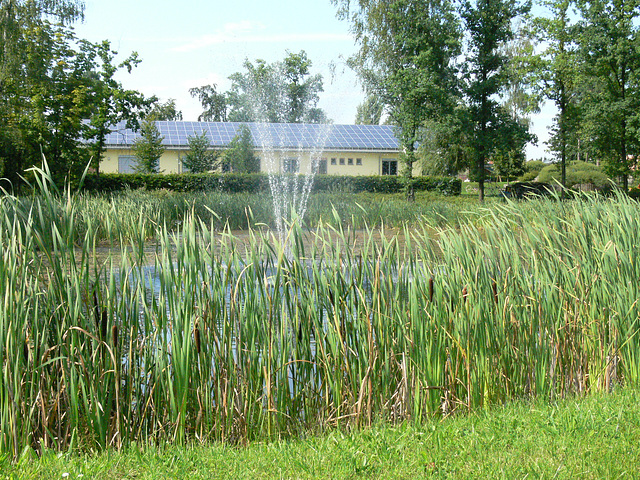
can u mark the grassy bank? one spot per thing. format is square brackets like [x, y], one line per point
[594, 437]
[214, 341]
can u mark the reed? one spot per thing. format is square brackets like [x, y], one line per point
[213, 340]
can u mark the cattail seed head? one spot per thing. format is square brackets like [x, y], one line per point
[196, 337]
[431, 289]
[494, 287]
[100, 317]
[103, 325]
[114, 335]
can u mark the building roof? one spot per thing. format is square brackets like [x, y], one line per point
[293, 136]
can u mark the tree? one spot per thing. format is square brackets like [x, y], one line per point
[200, 158]
[277, 93]
[489, 23]
[59, 101]
[214, 103]
[558, 72]
[302, 89]
[111, 103]
[164, 111]
[446, 144]
[17, 15]
[239, 157]
[148, 148]
[370, 111]
[610, 46]
[25, 65]
[407, 59]
[511, 136]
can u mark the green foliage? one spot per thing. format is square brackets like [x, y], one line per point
[240, 156]
[490, 25]
[281, 92]
[609, 43]
[148, 148]
[558, 70]
[164, 111]
[214, 103]
[578, 173]
[200, 158]
[111, 103]
[407, 59]
[531, 170]
[446, 145]
[44, 100]
[259, 182]
[51, 83]
[370, 111]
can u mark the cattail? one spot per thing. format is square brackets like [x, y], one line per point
[114, 335]
[103, 324]
[431, 289]
[494, 287]
[100, 317]
[465, 294]
[196, 337]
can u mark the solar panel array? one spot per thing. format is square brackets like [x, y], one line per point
[274, 135]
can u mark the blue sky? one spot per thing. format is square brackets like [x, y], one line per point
[191, 43]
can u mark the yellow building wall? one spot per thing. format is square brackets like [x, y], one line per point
[169, 161]
[338, 163]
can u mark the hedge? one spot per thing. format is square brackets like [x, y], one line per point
[259, 182]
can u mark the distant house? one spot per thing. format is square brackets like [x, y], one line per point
[281, 147]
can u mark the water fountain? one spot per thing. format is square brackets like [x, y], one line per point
[290, 186]
[284, 146]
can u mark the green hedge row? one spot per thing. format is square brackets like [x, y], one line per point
[259, 182]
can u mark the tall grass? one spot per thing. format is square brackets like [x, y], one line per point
[119, 216]
[214, 341]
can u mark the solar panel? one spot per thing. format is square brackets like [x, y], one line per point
[275, 135]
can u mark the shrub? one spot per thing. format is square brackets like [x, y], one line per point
[578, 173]
[532, 170]
[259, 182]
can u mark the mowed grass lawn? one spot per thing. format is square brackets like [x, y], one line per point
[593, 437]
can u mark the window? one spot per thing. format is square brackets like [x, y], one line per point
[290, 165]
[350, 161]
[126, 163]
[358, 161]
[389, 167]
[342, 161]
[183, 168]
[322, 166]
[334, 161]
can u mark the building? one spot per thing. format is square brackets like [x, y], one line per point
[281, 147]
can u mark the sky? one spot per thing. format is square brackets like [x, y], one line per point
[191, 43]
